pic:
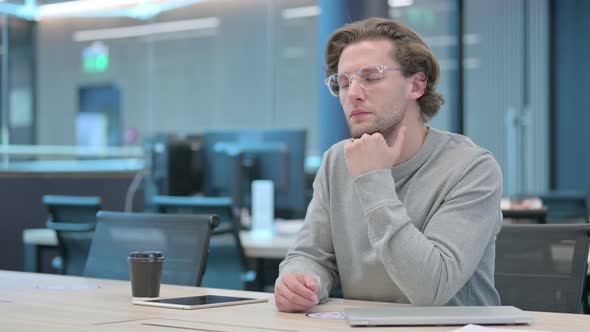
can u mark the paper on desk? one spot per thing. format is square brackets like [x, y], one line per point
[335, 315]
[479, 328]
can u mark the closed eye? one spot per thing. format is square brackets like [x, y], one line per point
[372, 75]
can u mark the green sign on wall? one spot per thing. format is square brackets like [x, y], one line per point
[95, 58]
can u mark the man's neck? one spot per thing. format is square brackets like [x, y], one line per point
[416, 131]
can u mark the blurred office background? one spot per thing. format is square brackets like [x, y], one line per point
[85, 80]
[86, 76]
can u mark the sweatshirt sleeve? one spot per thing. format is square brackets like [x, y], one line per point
[312, 253]
[432, 265]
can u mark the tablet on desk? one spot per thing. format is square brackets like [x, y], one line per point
[198, 302]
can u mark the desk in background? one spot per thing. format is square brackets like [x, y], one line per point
[259, 248]
[523, 210]
[23, 184]
[265, 250]
[42, 302]
[271, 245]
[538, 215]
[35, 240]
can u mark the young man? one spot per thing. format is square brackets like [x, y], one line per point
[401, 212]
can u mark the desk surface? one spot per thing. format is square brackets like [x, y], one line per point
[274, 246]
[43, 302]
[271, 245]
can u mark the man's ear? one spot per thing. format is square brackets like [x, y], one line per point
[419, 82]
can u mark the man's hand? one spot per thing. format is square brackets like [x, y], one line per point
[371, 153]
[296, 292]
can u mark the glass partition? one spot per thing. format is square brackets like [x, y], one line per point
[210, 65]
[437, 22]
[120, 72]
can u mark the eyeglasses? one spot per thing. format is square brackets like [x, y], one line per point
[366, 76]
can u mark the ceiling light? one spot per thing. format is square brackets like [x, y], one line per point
[146, 29]
[299, 12]
[400, 3]
[82, 6]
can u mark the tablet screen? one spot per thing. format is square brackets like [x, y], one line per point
[201, 300]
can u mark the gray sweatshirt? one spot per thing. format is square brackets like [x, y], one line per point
[422, 232]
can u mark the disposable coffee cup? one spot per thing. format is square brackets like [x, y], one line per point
[262, 206]
[145, 269]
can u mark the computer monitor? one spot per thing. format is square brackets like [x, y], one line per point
[234, 158]
[176, 165]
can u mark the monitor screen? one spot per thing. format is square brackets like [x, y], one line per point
[176, 165]
[234, 158]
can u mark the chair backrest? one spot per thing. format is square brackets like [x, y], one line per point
[542, 267]
[227, 258]
[565, 207]
[183, 240]
[73, 218]
[220, 206]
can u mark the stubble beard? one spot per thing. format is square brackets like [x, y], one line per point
[385, 126]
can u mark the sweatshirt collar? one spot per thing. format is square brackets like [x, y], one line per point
[409, 166]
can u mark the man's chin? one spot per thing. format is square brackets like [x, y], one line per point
[358, 132]
[355, 134]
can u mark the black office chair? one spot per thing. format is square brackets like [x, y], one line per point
[568, 207]
[73, 218]
[183, 240]
[228, 265]
[542, 267]
[229, 222]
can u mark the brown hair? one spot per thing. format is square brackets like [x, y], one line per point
[411, 52]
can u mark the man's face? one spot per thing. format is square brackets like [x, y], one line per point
[379, 106]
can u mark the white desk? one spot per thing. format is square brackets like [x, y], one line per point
[272, 245]
[34, 241]
[54, 303]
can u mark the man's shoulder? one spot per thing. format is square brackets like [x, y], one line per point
[336, 151]
[460, 152]
[457, 143]
[333, 160]
[456, 155]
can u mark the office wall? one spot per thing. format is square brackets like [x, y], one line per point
[571, 68]
[256, 69]
[437, 22]
[506, 96]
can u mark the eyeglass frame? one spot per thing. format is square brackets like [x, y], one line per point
[350, 76]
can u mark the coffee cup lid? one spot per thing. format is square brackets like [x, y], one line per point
[146, 255]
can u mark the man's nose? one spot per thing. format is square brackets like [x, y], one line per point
[356, 90]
